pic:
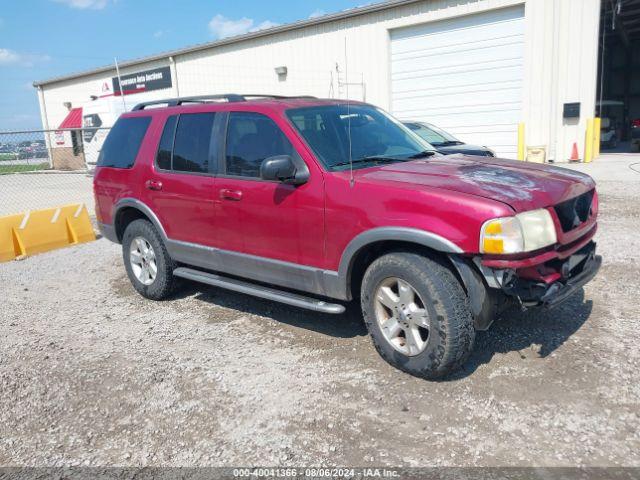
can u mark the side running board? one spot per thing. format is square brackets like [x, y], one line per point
[259, 291]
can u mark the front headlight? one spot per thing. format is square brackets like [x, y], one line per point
[525, 232]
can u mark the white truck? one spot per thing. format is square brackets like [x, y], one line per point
[98, 116]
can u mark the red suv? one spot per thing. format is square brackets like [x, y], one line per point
[311, 202]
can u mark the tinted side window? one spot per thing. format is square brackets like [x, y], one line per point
[166, 143]
[192, 143]
[123, 142]
[252, 137]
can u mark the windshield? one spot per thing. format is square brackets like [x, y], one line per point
[375, 136]
[432, 134]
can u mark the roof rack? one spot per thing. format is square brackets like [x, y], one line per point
[229, 97]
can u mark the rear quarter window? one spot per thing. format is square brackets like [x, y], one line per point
[121, 146]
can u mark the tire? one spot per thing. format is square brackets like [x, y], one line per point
[164, 283]
[450, 334]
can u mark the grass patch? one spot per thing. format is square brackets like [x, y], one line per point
[4, 169]
[8, 156]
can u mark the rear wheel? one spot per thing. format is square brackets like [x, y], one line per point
[417, 314]
[148, 264]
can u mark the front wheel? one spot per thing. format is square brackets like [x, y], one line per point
[148, 264]
[417, 314]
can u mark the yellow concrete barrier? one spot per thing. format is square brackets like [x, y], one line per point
[597, 128]
[10, 247]
[43, 230]
[588, 147]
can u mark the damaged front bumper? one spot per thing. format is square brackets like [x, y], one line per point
[574, 272]
[543, 283]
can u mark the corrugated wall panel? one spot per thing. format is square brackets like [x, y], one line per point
[561, 54]
[560, 64]
[310, 54]
[464, 75]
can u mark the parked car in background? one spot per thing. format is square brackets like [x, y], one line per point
[310, 202]
[444, 142]
[608, 134]
[635, 135]
[39, 149]
[8, 152]
[31, 149]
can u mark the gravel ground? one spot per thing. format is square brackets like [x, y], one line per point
[92, 374]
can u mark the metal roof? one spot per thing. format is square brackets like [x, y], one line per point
[73, 119]
[353, 12]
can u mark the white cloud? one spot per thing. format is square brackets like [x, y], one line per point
[85, 4]
[10, 57]
[222, 27]
[264, 25]
[158, 33]
[317, 13]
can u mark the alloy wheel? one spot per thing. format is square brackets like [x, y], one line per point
[143, 260]
[402, 316]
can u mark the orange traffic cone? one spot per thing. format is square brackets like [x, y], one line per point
[575, 157]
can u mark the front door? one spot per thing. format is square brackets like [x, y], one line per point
[266, 219]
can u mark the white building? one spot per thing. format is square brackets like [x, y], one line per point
[477, 68]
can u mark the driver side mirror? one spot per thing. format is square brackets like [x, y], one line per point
[281, 168]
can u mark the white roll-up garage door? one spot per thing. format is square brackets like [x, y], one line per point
[464, 75]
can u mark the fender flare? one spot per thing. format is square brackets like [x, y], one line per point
[368, 237]
[143, 208]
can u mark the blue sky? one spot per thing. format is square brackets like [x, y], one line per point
[40, 39]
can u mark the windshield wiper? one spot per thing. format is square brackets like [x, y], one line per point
[426, 153]
[374, 158]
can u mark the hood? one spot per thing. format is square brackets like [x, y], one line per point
[465, 149]
[522, 186]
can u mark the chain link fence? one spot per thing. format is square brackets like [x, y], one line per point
[48, 168]
[44, 169]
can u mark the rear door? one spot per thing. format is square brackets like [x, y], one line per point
[179, 186]
[128, 144]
